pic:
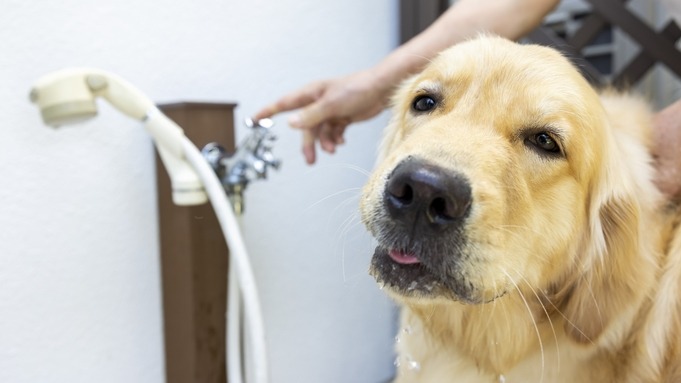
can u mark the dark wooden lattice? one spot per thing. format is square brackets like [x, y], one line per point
[655, 46]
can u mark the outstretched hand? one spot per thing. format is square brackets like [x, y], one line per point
[667, 150]
[327, 107]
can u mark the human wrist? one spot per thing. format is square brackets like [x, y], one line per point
[391, 72]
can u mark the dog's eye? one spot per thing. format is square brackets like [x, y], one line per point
[545, 142]
[423, 103]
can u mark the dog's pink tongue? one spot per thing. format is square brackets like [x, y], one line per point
[403, 258]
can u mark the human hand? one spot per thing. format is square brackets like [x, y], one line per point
[327, 107]
[667, 150]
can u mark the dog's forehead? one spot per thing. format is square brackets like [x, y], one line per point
[519, 83]
[497, 55]
[497, 65]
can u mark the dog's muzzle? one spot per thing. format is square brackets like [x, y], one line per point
[421, 232]
[426, 197]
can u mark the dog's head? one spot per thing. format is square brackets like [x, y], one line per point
[500, 173]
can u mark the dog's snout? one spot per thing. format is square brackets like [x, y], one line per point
[417, 190]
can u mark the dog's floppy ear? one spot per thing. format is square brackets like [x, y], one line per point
[605, 286]
[616, 263]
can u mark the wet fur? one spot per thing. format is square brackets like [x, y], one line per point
[574, 263]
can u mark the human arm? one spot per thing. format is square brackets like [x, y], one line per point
[327, 107]
[667, 150]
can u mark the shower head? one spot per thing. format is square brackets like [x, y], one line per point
[68, 96]
[64, 101]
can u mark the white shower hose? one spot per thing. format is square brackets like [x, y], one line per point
[242, 287]
[69, 95]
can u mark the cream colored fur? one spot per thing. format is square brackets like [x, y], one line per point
[577, 258]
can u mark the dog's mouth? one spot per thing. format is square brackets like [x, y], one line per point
[403, 257]
[404, 273]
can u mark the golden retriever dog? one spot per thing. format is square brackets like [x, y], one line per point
[519, 228]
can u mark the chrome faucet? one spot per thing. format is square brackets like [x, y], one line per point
[250, 161]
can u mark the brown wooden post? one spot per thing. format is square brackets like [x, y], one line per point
[194, 259]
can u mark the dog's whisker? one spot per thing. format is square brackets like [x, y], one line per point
[548, 316]
[534, 322]
[507, 229]
[593, 297]
[347, 221]
[313, 205]
[344, 165]
[345, 228]
[344, 225]
[517, 235]
[352, 221]
[493, 309]
[572, 324]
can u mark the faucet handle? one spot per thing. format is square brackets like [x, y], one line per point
[269, 159]
[214, 153]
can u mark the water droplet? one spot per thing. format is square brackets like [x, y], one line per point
[407, 330]
[412, 286]
[414, 365]
[397, 339]
[397, 362]
[502, 378]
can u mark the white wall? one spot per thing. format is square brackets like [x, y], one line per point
[79, 273]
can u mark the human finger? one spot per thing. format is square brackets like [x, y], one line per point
[326, 138]
[339, 130]
[295, 100]
[308, 149]
[315, 114]
[338, 133]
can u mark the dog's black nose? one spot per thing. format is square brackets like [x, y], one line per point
[419, 193]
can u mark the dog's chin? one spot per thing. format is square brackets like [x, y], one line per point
[407, 278]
